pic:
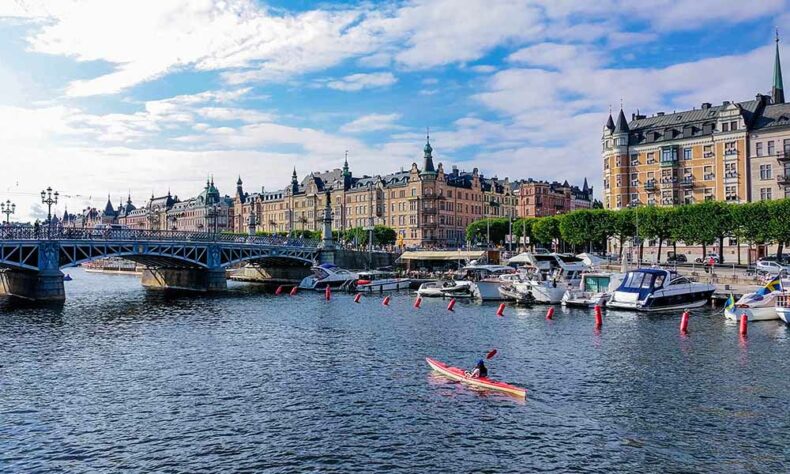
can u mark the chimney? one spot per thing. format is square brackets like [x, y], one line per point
[706, 105]
[659, 114]
[725, 103]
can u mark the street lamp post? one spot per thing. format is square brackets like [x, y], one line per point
[7, 208]
[48, 198]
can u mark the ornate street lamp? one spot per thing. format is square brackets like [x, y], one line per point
[7, 208]
[48, 198]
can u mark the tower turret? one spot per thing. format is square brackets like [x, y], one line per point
[777, 90]
[428, 169]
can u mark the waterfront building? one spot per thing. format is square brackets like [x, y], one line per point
[708, 153]
[542, 198]
[425, 205]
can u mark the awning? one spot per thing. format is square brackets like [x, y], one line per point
[446, 255]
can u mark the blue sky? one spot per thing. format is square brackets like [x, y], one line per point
[101, 97]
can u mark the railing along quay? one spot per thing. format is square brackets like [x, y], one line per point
[125, 235]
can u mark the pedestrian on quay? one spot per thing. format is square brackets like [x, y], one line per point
[36, 229]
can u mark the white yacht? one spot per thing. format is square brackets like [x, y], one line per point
[654, 289]
[756, 306]
[378, 280]
[783, 306]
[593, 290]
[431, 289]
[329, 275]
[552, 275]
[486, 280]
[458, 289]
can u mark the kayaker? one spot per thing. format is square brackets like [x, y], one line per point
[480, 370]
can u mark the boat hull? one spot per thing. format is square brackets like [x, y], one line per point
[487, 290]
[767, 313]
[459, 375]
[783, 314]
[693, 300]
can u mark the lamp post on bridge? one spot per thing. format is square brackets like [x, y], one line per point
[7, 208]
[48, 198]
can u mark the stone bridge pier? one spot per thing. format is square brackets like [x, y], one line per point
[46, 284]
[201, 279]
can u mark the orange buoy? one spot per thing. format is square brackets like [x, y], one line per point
[294, 290]
[501, 310]
[328, 293]
[357, 297]
[550, 312]
[386, 301]
[278, 290]
[684, 322]
[451, 305]
[744, 322]
[598, 317]
[418, 302]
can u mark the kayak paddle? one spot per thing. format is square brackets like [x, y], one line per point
[491, 354]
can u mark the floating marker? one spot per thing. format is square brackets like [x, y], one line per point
[294, 290]
[357, 297]
[598, 317]
[328, 293]
[278, 290]
[501, 310]
[386, 301]
[684, 322]
[550, 312]
[418, 302]
[744, 321]
[451, 305]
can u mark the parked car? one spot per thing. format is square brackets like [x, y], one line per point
[710, 255]
[785, 260]
[673, 257]
[771, 267]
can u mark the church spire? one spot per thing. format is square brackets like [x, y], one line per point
[427, 164]
[294, 182]
[777, 90]
[345, 166]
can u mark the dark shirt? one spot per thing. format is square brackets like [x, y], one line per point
[483, 371]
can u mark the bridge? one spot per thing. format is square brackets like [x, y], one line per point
[32, 258]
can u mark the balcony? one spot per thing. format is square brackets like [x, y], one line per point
[650, 185]
[668, 163]
[687, 182]
[731, 175]
[783, 156]
[783, 180]
[709, 177]
[732, 152]
[709, 154]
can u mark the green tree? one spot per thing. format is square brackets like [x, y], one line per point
[779, 224]
[496, 228]
[582, 227]
[383, 235]
[546, 229]
[655, 223]
[751, 223]
[621, 225]
[522, 227]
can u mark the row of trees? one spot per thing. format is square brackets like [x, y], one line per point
[705, 224]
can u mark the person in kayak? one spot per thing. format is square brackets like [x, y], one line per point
[480, 371]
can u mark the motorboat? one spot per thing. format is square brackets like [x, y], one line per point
[487, 280]
[756, 306]
[329, 275]
[509, 291]
[552, 275]
[593, 290]
[457, 289]
[783, 306]
[655, 289]
[378, 280]
[431, 289]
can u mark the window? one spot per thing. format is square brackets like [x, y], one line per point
[758, 149]
[651, 158]
[634, 160]
[707, 151]
[619, 180]
[734, 125]
[771, 148]
[687, 153]
[634, 179]
[765, 194]
[725, 127]
[617, 161]
[731, 193]
[651, 175]
[730, 171]
[708, 173]
[634, 198]
[708, 194]
[605, 186]
[619, 201]
[766, 172]
[787, 145]
[668, 155]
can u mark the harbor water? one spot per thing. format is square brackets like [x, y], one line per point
[123, 379]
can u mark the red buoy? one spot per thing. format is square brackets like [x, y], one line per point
[328, 293]
[278, 290]
[598, 317]
[744, 321]
[550, 312]
[386, 301]
[418, 302]
[501, 310]
[294, 290]
[451, 305]
[357, 297]
[684, 322]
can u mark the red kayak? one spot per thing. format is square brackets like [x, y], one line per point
[483, 382]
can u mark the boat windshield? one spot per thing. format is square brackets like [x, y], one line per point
[570, 259]
[643, 280]
[596, 284]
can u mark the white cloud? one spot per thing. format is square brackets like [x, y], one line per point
[556, 55]
[371, 123]
[356, 82]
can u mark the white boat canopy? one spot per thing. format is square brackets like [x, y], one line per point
[591, 260]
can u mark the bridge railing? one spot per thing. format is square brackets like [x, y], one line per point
[23, 232]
